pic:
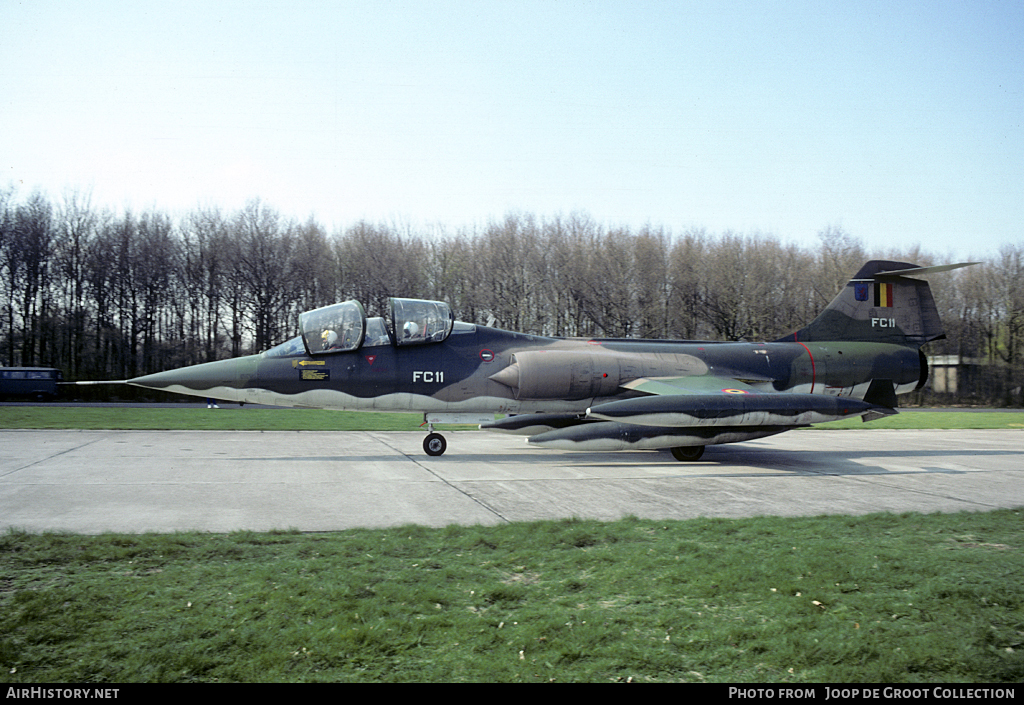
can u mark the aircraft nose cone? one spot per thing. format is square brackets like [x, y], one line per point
[202, 379]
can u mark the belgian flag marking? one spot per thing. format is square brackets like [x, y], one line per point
[883, 294]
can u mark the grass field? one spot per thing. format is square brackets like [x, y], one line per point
[911, 419]
[234, 418]
[881, 598]
[228, 418]
[866, 599]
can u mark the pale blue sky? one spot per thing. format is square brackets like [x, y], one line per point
[899, 121]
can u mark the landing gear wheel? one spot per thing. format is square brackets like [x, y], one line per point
[688, 453]
[435, 444]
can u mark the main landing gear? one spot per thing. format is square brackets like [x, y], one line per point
[688, 453]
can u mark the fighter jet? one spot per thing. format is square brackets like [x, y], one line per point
[607, 394]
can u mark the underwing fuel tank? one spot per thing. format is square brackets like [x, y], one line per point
[610, 436]
[650, 423]
[532, 424]
[731, 410]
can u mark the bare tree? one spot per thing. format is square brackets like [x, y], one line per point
[685, 293]
[76, 225]
[725, 288]
[569, 241]
[609, 283]
[264, 248]
[840, 255]
[313, 268]
[1006, 275]
[651, 283]
[10, 262]
[375, 263]
[155, 261]
[203, 273]
[451, 275]
[508, 271]
[30, 257]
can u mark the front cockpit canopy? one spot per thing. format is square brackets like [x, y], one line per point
[336, 328]
[343, 327]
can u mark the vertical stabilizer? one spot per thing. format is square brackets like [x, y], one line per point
[881, 304]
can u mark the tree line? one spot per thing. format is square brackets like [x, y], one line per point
[112, 295]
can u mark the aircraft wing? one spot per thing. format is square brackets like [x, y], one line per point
[702, 384]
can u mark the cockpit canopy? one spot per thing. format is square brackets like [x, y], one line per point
[417, 322]
[343, 327]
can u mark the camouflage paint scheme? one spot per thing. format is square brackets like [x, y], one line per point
[600, 394]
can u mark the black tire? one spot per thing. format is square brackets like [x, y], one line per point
[688, 454]
[435, 444]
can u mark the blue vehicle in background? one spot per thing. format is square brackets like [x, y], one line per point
[38, 383]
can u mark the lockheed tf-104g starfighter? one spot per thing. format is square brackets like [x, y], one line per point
[852, 360]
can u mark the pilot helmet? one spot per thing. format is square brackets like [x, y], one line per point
[411, 329]
[329, 337]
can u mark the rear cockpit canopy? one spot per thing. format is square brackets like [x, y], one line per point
[344, 327]
[417, 322]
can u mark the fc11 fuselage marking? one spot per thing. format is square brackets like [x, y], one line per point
[428, 376]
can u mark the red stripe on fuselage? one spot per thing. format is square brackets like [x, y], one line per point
[813, 374]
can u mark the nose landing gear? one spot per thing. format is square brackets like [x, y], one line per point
[435, 444]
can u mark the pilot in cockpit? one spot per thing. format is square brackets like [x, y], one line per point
[411, 331]
[329, 338]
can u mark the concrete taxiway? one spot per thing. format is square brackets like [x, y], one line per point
[220, 481]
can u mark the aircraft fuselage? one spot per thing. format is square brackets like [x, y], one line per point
[601, 394]
[480, 370]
